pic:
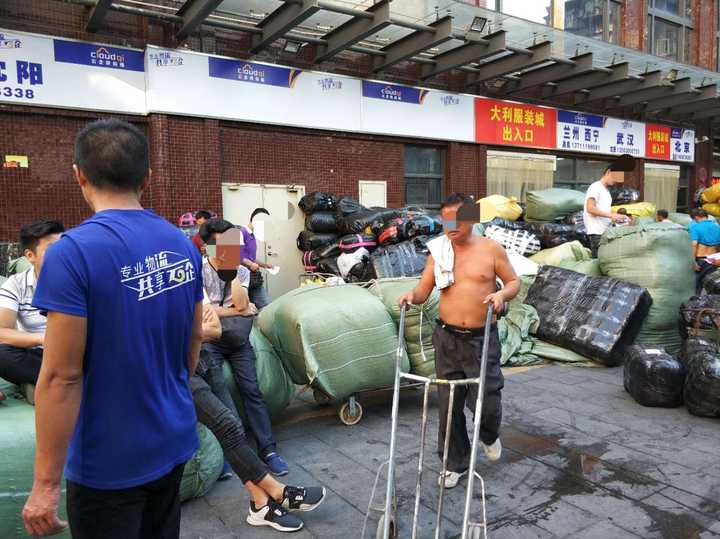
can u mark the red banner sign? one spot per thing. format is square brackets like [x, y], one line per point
[657, 141]
[514, 124]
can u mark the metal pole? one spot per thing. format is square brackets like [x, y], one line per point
[390, 489]
[448, 427]
[421, 459]
[476, 423]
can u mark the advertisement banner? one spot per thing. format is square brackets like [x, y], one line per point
[580, 132]
[38, 70]
[224, 68]
[514, 124]
[682, 144]
[657, 141]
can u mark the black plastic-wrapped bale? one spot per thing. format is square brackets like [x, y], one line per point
[695, 346]
[596, 317]
[322, 222]
[711, 283]
[702, 385]
[700, 317]
[653, 377]
[353, 242]
[577, 218]
[358, 221]
[308, 240]
[507, 225]
[422, 225]
[318, 201]
[311, 258]
[405, 259]
[624, 195]
[347, 206]
[554, 234]
[328, 265]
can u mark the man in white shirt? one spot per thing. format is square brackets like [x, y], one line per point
[22, 327]
[597, 213]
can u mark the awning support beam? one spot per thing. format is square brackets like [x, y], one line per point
[576, 66]
[414, 43]
[194, 12]
[472, 51]
[97, 15]
[598, 77]
[649, 80]
[285, 18]
[539, 54]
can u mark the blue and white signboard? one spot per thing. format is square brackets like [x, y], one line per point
[38, 70]
[395, 109]
[580, 132]
[188, 83]
[682, 144]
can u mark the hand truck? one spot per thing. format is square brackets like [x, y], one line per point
[387, 526]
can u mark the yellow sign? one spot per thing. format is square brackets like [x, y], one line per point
[16, 161]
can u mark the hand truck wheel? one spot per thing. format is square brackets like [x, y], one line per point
[351, 412]
[381, 528]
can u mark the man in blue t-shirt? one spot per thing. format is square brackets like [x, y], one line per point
[705, 235]
[123, 296]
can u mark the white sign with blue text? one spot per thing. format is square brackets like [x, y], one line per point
[181, 82]
[43, 71]
[580, 132]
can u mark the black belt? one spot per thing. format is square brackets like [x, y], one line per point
[462, 332]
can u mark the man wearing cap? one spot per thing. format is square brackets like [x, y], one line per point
[597, 213]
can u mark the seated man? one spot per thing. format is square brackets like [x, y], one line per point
[271, 500]
[227, 291]
[705, 235]
[662, 216]
[22, 327]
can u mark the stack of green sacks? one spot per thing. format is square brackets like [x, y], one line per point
[275, 384]
[657, 257]
[550, 204]
[339, 339]
[419, 321]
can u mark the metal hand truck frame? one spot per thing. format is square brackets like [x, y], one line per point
[387, 526]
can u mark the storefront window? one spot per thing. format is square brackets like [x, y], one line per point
[614, 23]
[671, 29]
[423, 176]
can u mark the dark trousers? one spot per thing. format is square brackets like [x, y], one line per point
[458, 357]
[594, 244]
[20, 365]
[242, 361]
[705, 269]
[225, 424]
[149, 511]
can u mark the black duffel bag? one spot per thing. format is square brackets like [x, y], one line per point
[321, 221]
[311, 258]
[308, 240]
[318, 201]
[653, 377]
[357, 222]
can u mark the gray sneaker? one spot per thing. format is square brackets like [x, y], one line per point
[274, 516]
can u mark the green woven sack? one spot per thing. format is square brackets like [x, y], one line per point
[339, 339]
[549, 204]
[572, 250]
[682, 219]
[587, 267]
[203, 469]
[657, 257]
[419, 321]
[18, 265]
[275, 384]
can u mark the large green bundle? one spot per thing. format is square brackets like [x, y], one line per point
[549, 204]
[657, 257]
[339, 339]
[572, 250]
[203, 469]
[682, 219]
[587, 267]
[419, 321]
[17, 456]
[274, 381]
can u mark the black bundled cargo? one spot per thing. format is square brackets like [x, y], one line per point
[318, 201]
[359, 221]
[308, 240]
[393, 232]
[623, 195]
[700, 317]
[507, 225]
[702, 385]
[554, 234]
[596, 317]
[311, 258]
[353, 242]
[653, 377]
[521, 242]
[347, 206]
[711, 283]
[576, 218]
[695, 346]
[328, 265]
[423, 225]
[321, 221]
[405, 259]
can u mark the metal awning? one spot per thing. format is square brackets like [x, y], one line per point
[498, 55]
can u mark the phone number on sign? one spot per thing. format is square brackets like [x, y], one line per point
[20, 93]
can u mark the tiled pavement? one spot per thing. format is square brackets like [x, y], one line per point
[581, 459]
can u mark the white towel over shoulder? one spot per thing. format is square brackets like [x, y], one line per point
[443, 255]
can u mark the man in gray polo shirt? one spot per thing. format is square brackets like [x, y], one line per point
[22, 327]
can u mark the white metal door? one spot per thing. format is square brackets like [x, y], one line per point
[276, 234]
[373, 193]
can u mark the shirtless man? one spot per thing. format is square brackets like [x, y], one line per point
[466, 269]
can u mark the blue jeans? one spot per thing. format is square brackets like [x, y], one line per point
[259, 296]
[242, 362]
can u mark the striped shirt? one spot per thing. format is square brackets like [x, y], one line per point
[16, 294]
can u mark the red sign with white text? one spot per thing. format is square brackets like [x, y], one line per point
[657, 141]
[514, 124]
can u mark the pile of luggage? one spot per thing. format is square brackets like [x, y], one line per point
[359, 244]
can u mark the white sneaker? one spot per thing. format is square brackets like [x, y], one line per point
[451, 478]
[494, 451]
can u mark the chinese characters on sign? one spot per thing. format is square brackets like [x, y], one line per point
[514, 124]
[592, 133]
[157, 274]
[657, 141]
[682, 144]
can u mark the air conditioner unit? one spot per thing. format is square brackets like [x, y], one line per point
[665, 47]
